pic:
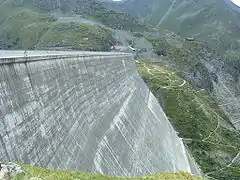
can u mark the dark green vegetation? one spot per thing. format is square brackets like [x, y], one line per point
[89, 9]
[77, 36]
[47, 174]
[211, 21]
[27, 27]
[112, 19]
[206, 130]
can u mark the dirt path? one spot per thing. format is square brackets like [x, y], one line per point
[206, 110]
[215, 130]
[229, 165]
[184, 82]
[171, 81]
[234, 159]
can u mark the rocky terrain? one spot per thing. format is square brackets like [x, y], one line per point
[215, 22]
[203, 68]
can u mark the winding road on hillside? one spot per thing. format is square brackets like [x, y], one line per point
[171, 81]
[206, 139]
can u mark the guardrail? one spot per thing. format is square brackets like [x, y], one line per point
[21, 57]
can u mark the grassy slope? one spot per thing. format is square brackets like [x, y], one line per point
[48, 174]
[22, 26]
[108, 17]
[26, 27]
[77, 36]
[187, 58]
[199, 121]
[186, 53]
[91, 9]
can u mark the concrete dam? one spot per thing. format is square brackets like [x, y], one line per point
[84, 111]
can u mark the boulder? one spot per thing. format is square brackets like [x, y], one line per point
[9, 170]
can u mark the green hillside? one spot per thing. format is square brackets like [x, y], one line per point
[110, 18]
[189, 59]
[91, 9]
[28, 27]
[205, 129]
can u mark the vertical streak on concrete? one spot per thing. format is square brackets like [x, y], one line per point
[153, 105]
[5, 153]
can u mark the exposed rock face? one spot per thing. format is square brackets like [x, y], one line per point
[227, 91]
[220, 77]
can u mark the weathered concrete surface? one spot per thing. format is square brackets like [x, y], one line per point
[84, 111]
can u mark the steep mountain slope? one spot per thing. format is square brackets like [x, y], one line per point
[214, 65]
[204, 127]
[203, 68]
[212, 21]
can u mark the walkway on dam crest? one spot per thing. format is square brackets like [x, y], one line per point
[22, 53]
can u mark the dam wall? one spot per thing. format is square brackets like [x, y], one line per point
[84, 111]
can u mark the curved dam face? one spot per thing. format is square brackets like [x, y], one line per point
[84, 111]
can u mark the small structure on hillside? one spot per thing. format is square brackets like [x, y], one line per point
[190, 39]
[132, 48]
